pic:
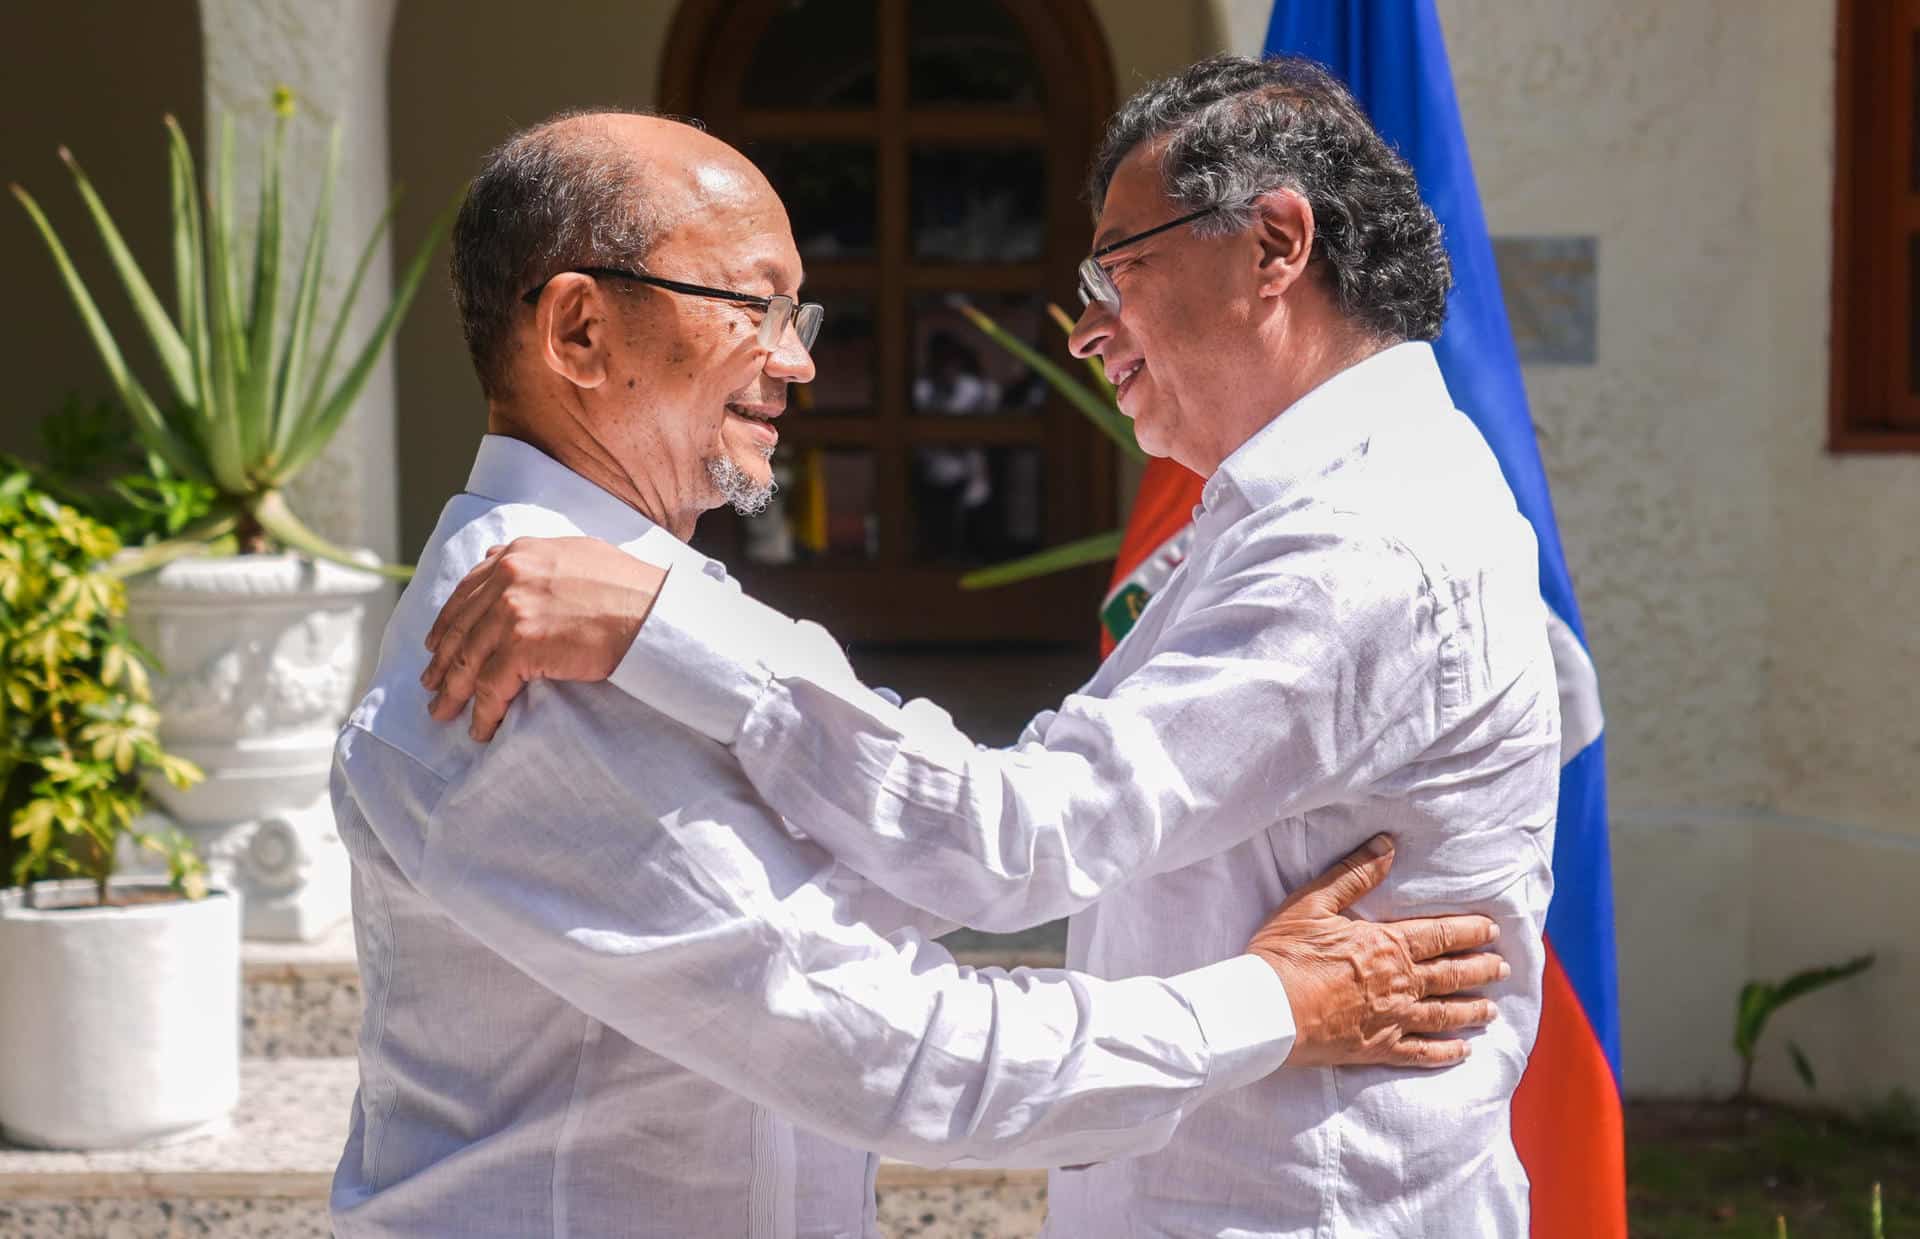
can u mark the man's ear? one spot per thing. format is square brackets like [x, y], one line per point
[1283, 228]
[571, 320]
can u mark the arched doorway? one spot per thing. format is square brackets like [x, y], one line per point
[928, 153]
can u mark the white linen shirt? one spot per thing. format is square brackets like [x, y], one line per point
[1356, 643]
[609, 994]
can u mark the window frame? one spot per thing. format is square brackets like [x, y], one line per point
[1874, 404]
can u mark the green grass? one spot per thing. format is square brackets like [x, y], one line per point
[1716, 1171]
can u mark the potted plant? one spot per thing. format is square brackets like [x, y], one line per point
[256, 620]
[121, 1016]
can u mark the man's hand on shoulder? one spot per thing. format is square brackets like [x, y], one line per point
[1390, 994]
[538, 608]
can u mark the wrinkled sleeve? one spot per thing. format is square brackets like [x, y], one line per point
[709, 934]
[1306, 667]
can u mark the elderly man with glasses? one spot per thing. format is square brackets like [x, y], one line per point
[609, 989]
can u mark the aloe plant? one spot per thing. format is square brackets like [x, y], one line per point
[248, 401]
[1097, 403]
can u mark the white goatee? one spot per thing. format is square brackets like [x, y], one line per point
[742, 493]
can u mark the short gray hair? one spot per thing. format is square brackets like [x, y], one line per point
[1236, 128]
[559, 194]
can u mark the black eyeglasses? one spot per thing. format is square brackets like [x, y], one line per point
[1097, 285]
[780, 309]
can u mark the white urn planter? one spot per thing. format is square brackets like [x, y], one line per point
[258, 659]
[120, 1025]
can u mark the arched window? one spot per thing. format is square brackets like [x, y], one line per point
[928, 153]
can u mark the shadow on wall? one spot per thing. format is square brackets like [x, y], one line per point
[97, 77]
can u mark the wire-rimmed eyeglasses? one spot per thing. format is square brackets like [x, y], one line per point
[778, 310]
[1097, 285]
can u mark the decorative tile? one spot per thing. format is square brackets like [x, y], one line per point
[1549, 285]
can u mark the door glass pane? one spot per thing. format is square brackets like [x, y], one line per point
[814, 54]
[978, 205]
[1913, 121]
[975, 504]
[828, 188]
[823, 509]
[1913, 314]
[968, 53]
[843, 359]
[958, 371]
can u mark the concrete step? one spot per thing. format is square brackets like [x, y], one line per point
[266, 1177]
[302, 1000]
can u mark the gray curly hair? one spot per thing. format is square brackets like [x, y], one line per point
[1235, 128]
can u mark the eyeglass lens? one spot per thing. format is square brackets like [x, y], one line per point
[1097, 285]
[782, 310]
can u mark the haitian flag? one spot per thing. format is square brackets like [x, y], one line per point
[1566, 1115]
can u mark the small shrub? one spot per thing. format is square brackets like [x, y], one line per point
[78, 730]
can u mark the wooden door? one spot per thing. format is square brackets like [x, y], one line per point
[928, 152]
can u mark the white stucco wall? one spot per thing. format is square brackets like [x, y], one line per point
[1748, 595]
[1749, 598]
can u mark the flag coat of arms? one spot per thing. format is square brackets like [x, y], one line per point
[1566, 1115]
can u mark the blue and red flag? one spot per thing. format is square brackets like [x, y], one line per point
[1566, 1116]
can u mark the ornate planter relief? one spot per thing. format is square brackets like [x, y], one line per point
[258, 658]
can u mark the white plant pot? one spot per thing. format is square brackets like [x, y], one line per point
[119, 1026]
[258, 659]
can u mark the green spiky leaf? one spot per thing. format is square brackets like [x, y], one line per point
[1100, 548]
[1802, 1065]
[314, 434]
[153, 426]
[165, 337]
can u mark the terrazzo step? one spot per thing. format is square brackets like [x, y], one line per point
[302, 999]
[266, 1177]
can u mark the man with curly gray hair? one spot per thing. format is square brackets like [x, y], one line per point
[1355, 643]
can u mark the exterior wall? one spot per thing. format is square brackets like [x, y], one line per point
[1748, 597]
[56, 58]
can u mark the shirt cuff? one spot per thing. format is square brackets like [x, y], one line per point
[699, 656]
[1244, 1014]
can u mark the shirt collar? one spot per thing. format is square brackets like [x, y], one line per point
[1323, 426]
[508, 470]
